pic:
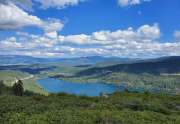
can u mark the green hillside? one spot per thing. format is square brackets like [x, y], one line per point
[119, 108]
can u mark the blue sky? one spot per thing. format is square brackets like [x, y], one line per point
[73, 28]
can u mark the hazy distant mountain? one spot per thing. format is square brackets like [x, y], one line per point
[155, 66]
[92, 60]
[16, 59]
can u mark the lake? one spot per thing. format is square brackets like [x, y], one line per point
[53, 85]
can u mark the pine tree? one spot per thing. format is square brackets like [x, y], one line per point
[18, 88]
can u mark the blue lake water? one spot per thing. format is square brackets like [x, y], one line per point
[88, 89]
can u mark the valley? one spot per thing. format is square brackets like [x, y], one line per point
[154, 75]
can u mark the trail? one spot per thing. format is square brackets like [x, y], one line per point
[22, 79]
[26, 78]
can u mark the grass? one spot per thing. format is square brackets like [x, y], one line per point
[10, 76]
[31, 85]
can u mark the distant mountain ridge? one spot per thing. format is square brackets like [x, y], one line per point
[103, 64]
[154, 66]
[17, 59]
[91, 60]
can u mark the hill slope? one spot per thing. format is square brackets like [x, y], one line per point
[153, 66]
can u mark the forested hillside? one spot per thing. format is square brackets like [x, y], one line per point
[154, 66]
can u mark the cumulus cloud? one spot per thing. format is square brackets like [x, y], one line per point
[58, 3]
[140, 42]
[52, 25]
[124, 3]
[51, 34]
[142, 34]
[10, 43]
[28, 4]
[25, 4]
[151, 32]
[13, 17]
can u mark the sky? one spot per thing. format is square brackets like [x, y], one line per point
[79, 28]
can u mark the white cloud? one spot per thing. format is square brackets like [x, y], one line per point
[58, 3]
[142, 34]
[152, 32]
[52, 25]
[142, 42]
[10, 43]
[76, 39]
[124, 3]
[51, 34]
[12, 17]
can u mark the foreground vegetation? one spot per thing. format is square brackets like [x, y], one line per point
[118, 108]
